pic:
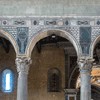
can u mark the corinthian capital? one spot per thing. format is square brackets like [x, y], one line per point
[23, 64]
[85, 64]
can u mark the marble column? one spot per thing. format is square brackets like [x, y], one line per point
[22, 69]
[85, 66]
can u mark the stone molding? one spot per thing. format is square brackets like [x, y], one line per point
[22, 64]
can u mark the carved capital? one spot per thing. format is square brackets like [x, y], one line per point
[85, 65]
[23, 64]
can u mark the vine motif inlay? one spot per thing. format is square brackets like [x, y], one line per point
[22, 38]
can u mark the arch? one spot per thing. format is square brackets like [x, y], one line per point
[93, 44]
[44, 33]
[70, 82]
[10, 38]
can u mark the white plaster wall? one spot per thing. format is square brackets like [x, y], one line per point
[49, 7]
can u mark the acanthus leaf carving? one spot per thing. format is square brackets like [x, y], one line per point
[23, 64]
[85, 65]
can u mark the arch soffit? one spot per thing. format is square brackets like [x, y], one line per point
[42, 34]
[71, 76]
[93, 44]
[10, 38]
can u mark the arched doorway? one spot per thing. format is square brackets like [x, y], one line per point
[46, 33]
[52, 50]
[8, 74]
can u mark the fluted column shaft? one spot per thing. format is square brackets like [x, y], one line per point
[85, 66]
[22, 69]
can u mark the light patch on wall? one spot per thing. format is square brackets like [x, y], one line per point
[8, 82]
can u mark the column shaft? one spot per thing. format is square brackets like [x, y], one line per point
[22, 68]
[22, 92]
[85, 66]
[85, 85]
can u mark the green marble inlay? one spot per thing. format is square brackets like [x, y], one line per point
[85, 39]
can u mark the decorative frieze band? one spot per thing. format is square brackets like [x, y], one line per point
[58, 21]
[23, 29]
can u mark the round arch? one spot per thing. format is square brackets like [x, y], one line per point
[93, 44]
[11, 39]
[44, 33]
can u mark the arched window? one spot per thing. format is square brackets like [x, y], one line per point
[54, 80]
[7, 82]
